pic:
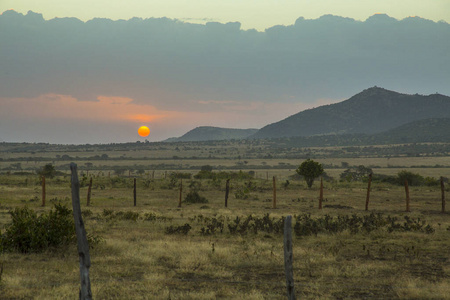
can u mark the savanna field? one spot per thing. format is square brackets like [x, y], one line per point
[204, 250]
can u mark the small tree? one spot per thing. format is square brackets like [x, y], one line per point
[48, 171]
[310, 170]
[413, 178]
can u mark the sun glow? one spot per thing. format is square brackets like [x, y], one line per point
[143, 131]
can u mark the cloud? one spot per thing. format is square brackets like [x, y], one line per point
[55, 106]
[111, 76]
[171, 64]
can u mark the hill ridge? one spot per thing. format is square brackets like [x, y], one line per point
[207, 133]
[371, 111]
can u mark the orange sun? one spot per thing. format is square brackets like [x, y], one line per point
[143, 131]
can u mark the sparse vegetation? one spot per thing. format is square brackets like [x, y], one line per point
[198, 251]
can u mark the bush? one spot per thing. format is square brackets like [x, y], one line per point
[184, 229]
[194, 197]
[412, 178]
[306, 225]
[355, 174]
[29, 232]
[242, 193]
[48, 171]
[430, 181]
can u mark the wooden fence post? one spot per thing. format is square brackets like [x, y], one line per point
[181, 192]
[321, 193]
[82, 243]
[134, 192]
[368, 192]
[407, 195]
[443, 194]
[288, 258]
[274, 201]
[88, 202]
[227, 191]
[43, 190]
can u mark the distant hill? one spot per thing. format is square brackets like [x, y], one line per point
[374, 110]
[428, 130]
[208, 133]
[422, 131]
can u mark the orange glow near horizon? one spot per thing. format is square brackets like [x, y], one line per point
[144, 118]
[143, 131]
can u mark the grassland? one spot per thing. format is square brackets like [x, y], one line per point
[139, 259]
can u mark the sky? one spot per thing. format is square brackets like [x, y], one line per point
[73, 86]
[258, 14]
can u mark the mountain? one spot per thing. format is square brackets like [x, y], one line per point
[421, 131]
[374, 110]
[208, 133]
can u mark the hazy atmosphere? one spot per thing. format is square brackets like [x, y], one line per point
[74, 75]
[238, 149]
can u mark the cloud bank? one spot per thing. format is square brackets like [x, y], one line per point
[175, 75]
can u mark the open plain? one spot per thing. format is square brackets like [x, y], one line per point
[157, 250]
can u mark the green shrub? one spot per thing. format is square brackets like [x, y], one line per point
[412, 178]
[127, 215]
[430, 181]
[305, 225]
[242, 193]
[355, 173]
[184, 229]
[154, 217]
[194, 197]
[213, 226]
[48, 171]
[29, 232]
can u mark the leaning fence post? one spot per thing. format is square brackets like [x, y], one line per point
[89, 193]
[274, 204]
[134, 192]
[407, 195]
[443, 194]
[321, 193]
[82, 243]
[227, 191]
[43, 190]
[181, 192]
[368, 192]
[288, 258]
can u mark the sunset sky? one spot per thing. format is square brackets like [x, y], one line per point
[58, 90]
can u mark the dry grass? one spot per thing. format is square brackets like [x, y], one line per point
[138, 260]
